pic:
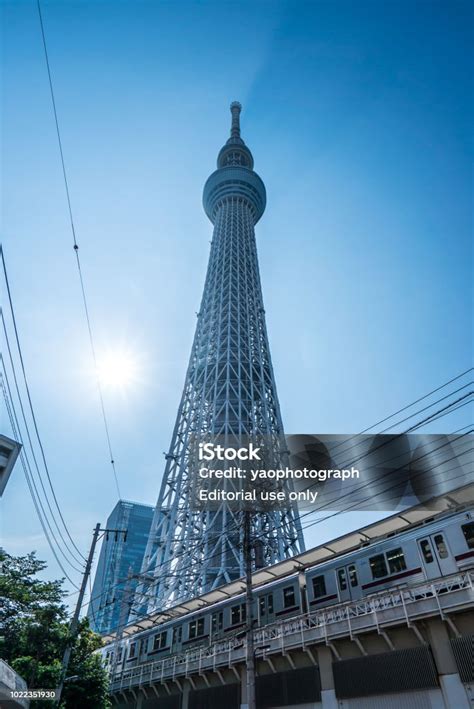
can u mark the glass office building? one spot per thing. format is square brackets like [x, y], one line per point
[119, 560]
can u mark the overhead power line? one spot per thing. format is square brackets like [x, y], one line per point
[32, 487]
[445, 411]
[18, 436]
[30, 403]
[76, 251]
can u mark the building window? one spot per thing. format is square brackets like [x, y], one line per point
[441, 546]
[238, 614]
[352, 575]
[159, 641]
[319, 587]
[396, 560]
[378, 566]
[289, 599]
[425, 547]
[341, 577]
[196, 628]
[132, 651]
[468, 531]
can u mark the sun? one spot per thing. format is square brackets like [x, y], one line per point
[117, 369]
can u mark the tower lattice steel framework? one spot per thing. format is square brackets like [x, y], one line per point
[229, 391]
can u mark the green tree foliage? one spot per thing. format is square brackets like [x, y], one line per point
[34, 631]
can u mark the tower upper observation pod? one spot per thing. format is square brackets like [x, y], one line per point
[234, 177]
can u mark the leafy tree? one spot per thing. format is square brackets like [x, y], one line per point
[34, 631]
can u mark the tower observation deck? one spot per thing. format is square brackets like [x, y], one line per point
[229, 391]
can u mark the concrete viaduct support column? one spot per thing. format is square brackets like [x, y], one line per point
[328, 694]
[185, 696]
[454, 694]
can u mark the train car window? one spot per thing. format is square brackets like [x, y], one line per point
[441, 546]
[262, 605]
[426, 551]
[468, 531]
[289, 598]
[319, 587]
[132, 650]
[352, 571]
[238, 614]
[141, 648]
[396, 560]
[177, 634]
[378, 566]
[196, 628]
[217, 622]
[159, 641]
[270, 602]
[342, 579]
[119, 654]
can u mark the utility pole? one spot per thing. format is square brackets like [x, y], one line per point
[75, 618]
[122, 621]
[250, 660]
[80, 599]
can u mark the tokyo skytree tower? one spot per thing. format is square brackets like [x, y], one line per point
[229, 391]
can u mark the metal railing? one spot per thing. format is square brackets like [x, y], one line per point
[394, 606]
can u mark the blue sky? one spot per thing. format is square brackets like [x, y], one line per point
[359, 118]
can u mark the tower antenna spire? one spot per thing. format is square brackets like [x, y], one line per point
[235, 109]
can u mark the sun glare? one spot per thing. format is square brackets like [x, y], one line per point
[117, 370]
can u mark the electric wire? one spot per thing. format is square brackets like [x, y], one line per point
[409, 406]
[29, 482]
[372, 494]
[76, 251]
[30, 403]
[122, 581]
[20, 439]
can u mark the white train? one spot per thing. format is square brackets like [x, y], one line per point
[407, 553]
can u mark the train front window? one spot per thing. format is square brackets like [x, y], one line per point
[196, 628]
[289, 599]
[425, 547]
[468, 531]
[378, 566]
[396, 560]
[352, 571]
[441, 546]
[342, 580]
[319, 586]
